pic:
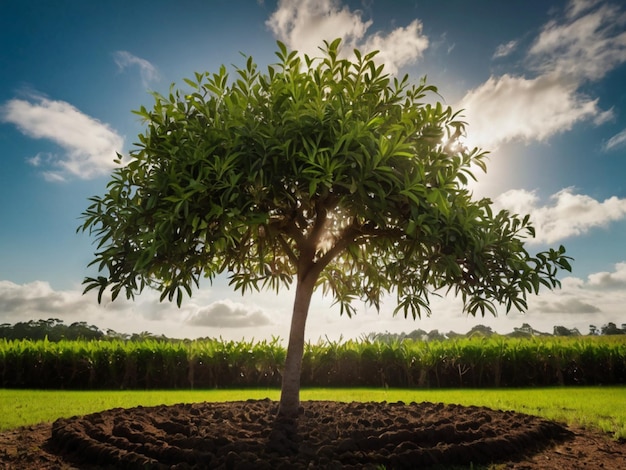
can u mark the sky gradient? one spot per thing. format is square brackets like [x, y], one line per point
[541, 84]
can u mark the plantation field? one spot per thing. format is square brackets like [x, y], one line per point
[478, 362]
[600, 408]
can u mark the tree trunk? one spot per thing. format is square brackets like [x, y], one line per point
[290, 390]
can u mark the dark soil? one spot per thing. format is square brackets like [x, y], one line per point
[326, 435]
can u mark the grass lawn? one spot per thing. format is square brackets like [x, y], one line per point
[601, 408]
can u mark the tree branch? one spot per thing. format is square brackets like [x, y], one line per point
[347, 236]
[318, 226]
[290, 254]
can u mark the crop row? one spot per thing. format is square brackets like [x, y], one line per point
[469, 362]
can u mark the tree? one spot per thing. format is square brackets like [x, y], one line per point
[323, 170]
[480, 330]
[528, 330]
[611, 329]
[559, 330]
[434, 335]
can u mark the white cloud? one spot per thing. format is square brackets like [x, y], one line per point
[228, 314]
[504, 50]
[90, 146]
[576, 7]
[400, 47]
[568, 306]
[598, 299]
[577, 304]
[583, 45]
[38, 298]
[609, 280]
[304, 24]
[508, 108]
[149, 72]
[616, 142]
[569, 214]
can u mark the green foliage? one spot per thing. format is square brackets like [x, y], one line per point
[496, 361]
[53, 329]
[321, 168]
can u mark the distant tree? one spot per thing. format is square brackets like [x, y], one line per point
[6, 331]
[81, 330]
[611, 329]
[112, 334]
[144, 335]
[480, 330]
[52, 329]
[453, 335]
[527, 330]
[593, 330]
[417, 335]
[323, 171]
[563, 331]
[385, 337]
[524, 330]
[434, 335]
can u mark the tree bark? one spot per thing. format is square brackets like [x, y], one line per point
[290, 390]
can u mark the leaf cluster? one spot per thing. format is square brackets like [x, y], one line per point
[323, 169]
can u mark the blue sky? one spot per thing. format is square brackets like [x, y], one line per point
[541, 83]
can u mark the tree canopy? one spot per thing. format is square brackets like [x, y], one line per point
[326, 171]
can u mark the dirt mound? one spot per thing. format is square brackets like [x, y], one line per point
[326, 435]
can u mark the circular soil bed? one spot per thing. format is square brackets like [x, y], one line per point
[247, 435]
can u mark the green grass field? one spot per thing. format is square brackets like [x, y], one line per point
[602, 408]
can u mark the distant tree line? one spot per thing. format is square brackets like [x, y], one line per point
[52, 328]
[525, 331]
[55, 330]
